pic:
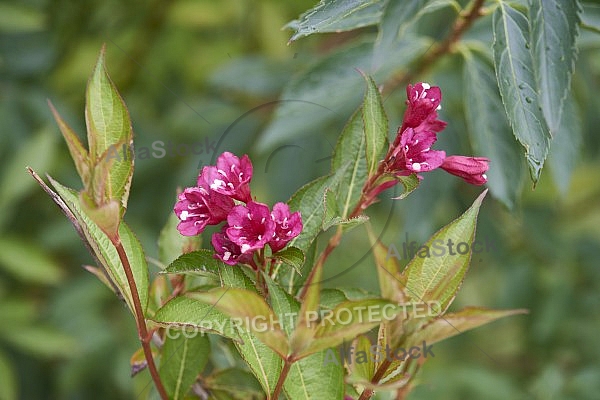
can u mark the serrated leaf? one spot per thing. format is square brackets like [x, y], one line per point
[106, 254]
[171, 243]
[199, 262]
[516, 80]
[554, 29]
[336, 16]
[410, 183]
[566, 149]
[438, 275]
[309, 200]
[195, 315]
[181, 361]
[108, 128]
[349, 151]
[252, 310]
[331, 213]
[489, 130]
[375, 124]
[313, 378]
[453, 324]
[284, 306]
[292, 256]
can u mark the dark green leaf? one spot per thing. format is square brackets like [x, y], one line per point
[200, 262]
[516, 79]
[554, 29]
[375, 125]
[292, 256]
[181, 361]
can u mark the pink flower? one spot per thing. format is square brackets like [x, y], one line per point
[414, 154]
[471, 169]
[227, 251]
[197, 207]
[287, 226]
[250, 226]
[423, 101]
[231, 176]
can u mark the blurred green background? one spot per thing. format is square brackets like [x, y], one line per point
[198, 71]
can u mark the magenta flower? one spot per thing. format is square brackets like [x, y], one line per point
[230, 177]
[250, 226]
[227, 251]
[471, 169]
[423, 101]
[287, 226]
[197, 207]
[414, 154]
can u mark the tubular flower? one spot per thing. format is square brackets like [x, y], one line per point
[250, 226]
[423, 102]
[197, 207]
[231, 176]
[287, 226]
[471, 169]
[414, 154]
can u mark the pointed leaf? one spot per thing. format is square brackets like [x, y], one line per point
[516, 80]
[376, 126]
[315, 378]
[199, 262]
[489, 130]
[181, 361]
[554, 28]
[291, 256]
[438, 275]
[336, 16]
[109, 128]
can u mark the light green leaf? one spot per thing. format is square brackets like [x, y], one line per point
[566, 149]
[456, 323]
[194, 315]
[28, 262]
[284, 306]
[171, 243]
[101, 247]
[254, 313]
[389, 271]
[375, 124]
[438, 273]
[315, 378]
[349, 150]
[181, 361]
[235, 382]
[8, 377]
[109, 132]
[410, 183]
[516, 80]
[336, 16]
[554, 29]
[199, 262]
[489, 130]
[291, 256]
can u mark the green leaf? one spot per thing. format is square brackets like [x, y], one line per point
[8, 377]
[336, 16]
[194, 315]
[28, 262]
[516, 80]
[101, 247]
[376, 126]
[315, 378]
[309, 200]
[235, 382]
[182, 360]
[171, 243]
[453, 324]
[439, 274]
[565, 152]
[350, 150]
[410, 183]
[291, 256]
[41, 341]
[284, 306]
[79, 153]
[254, 313]
[358, 317]
[389, 271]
[199, 262]
[554, 29]
[489, 130]
[362, 372]
[109, 133]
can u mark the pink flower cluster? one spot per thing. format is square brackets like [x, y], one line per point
[411, 151]
[223, 194]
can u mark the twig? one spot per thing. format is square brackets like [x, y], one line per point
[284, 373]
